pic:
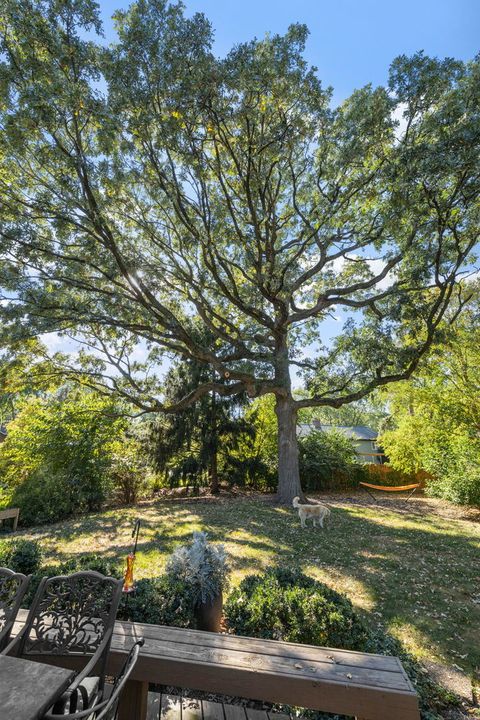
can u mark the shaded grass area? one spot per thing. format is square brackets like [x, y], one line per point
[407, 568]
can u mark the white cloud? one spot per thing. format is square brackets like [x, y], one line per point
[376, 265]
[472, 277]
[56, 343]
[402, 121]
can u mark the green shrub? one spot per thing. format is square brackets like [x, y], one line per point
[57, 457]
[129, 474]
[254, 462]
[288, 605]
[44, 571]
[251, 472]
[22, 556]
[327, 461]
[91, 561]
[455, 468]
[43, 497]
[461, 486]
[160, 601]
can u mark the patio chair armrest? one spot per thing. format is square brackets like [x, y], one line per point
[91, 663]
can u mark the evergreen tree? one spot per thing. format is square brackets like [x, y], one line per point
[199, 438]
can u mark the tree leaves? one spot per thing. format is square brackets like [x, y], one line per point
[150, 187]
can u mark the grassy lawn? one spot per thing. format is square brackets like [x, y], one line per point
[411, 568]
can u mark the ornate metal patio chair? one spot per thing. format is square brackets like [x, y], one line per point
[73, 615]
[105, 709]
[13, 587]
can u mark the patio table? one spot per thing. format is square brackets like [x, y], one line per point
[28, 689]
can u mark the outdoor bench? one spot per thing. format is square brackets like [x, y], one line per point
[10, 513]
[366, 686]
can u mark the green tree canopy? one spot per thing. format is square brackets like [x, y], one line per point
[435, 418]
[25, 369]
[149, 186]
[56, 459]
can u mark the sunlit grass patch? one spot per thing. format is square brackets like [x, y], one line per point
[414, 573]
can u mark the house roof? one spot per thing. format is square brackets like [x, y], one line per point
[356, 432]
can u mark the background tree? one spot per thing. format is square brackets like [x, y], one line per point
[150, 186]
[435, 419]
[25, 370]
[256, 456]
[200, 438]
[371, 411]
[57, 457]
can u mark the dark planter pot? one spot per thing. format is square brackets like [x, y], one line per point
[208, 615]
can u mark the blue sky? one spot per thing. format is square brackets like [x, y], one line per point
[352, 42]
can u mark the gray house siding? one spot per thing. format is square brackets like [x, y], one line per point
[364, 439]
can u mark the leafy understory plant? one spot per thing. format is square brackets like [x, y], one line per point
[202, 566]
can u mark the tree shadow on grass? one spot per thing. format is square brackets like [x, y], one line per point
[418, 573]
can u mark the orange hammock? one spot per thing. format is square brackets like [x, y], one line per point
[393, 488]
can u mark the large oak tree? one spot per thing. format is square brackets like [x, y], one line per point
[151, 191]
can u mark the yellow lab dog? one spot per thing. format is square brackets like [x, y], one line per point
[318, 513]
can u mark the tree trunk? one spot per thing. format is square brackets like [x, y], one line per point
[214, 488]
[288, 470]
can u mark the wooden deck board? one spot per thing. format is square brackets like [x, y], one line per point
[254, 714]
[253, 662]
[153, 706]
[338, 681]
[234, 712]
[212, 710]
[191, 709]
[172, 707]
[266, 647]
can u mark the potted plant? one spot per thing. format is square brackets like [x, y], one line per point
[203, 568]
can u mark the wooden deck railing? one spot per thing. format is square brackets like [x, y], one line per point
[370, 687]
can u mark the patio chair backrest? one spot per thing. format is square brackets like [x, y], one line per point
[12, 590]
[71, 615]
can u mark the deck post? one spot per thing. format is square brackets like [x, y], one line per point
[133, 702]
